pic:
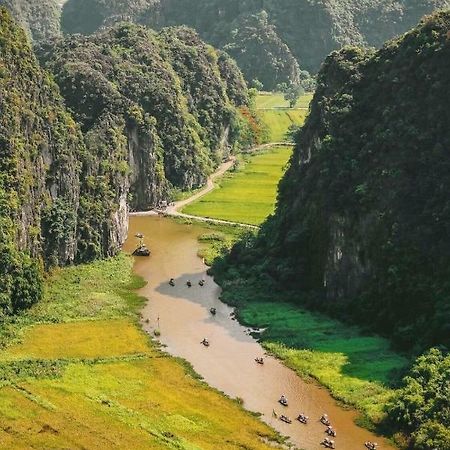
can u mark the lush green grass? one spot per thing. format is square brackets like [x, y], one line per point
[277, 116]
[248, 195]
[270, 100]
[357, 369]
[77, 371]
[278, 121]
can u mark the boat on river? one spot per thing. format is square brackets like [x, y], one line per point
[141, 249]
[285, 419]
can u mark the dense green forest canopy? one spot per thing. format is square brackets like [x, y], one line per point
[268, 38]
[362, 225]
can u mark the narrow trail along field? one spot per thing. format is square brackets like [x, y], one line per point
[248, 194]
[179, 209]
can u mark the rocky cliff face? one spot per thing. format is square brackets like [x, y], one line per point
[166, 91]
[39, 171]
[362, 222]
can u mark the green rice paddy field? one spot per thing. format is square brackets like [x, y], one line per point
[275, 113]
[279, 120]
[248, 195]
[269, 100]
[77, 371]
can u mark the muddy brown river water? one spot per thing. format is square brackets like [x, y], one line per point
[183, 316]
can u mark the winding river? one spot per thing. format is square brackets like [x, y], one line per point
[182, 314]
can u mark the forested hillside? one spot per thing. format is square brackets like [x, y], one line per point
[362, 222]
[40, 18]
[150, 113]
[268, 38]
[362, 226]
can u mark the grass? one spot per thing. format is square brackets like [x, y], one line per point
[270, 100]
[360, 370]
[277, 116]
[279, 121]
[248, 195]
[77, 371]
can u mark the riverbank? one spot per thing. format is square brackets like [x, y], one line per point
[77, 371]
[181, 313]
[358, 369]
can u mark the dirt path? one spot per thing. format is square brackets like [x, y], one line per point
[173, 210]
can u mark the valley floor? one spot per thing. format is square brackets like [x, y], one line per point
[77, 371]
[248, 194]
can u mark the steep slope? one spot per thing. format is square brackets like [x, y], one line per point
[152, 113]
[362, 227]
[39, 171]
[164, 96]
[40, 18]
[305, 30]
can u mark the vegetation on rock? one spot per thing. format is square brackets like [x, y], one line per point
[361, 229]
[268, 38]
[153, 112]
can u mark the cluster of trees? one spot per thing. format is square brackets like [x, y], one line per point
[422, 406]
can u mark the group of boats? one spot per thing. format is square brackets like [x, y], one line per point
[201, 283]
[324, 420]
[142, 250]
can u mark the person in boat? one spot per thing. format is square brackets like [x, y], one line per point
[188, 283]
[285, 418]
[371, 445]
[302, 418]
[328, 443]
[259, 360]
[330, 431]
[205, 342]
[201, 282]
[172, 282]
[213, 311]
[324, 419]
[283, 400]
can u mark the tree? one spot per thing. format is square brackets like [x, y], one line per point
[292, 93]
[257, 84]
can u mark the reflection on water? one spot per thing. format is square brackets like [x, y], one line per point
[183, 316]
